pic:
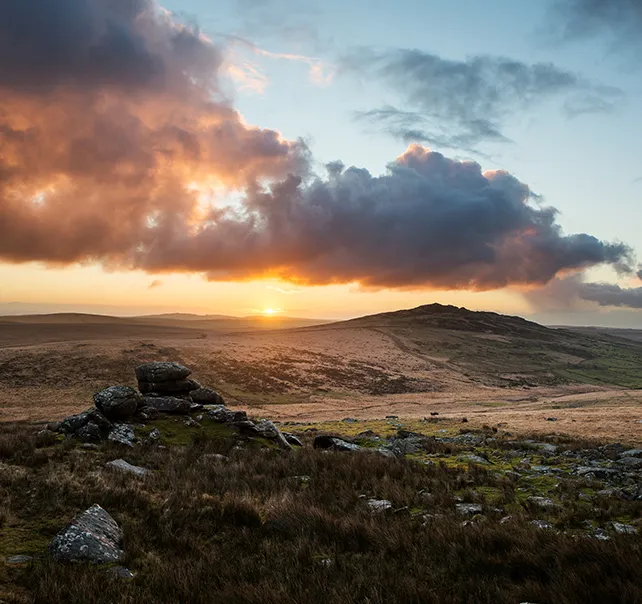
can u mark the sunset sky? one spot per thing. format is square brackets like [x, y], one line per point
[322, 159]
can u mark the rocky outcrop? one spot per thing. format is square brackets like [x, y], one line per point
[117, 402]
[165, 379]
[93, 536]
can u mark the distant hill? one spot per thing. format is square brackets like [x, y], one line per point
[222, 323]
[505, 350]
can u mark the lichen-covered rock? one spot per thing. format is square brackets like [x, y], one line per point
[117, 402]
[207, 396]
[161, 372]
[169, 387]
[222, 414]
[92, 536]
[292, 439]
[378, 506]
[167, 404]
[122, 434]
[89, 433]
[74, 423]
[120, 465]
[268, 429]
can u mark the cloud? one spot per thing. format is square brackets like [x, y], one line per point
[155, 283]
[571, 291]
[620, 20]
[117, 146]
[459, 104]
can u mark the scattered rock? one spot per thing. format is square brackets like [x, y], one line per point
[292, 439]
[474, 459]
[117, 402]
[464, 420]
[545, 503]
[268, 430]
[20, 559]
[551, 419]
[468, 509]
[541, 524]
[349, 420]
[596, 472]
[334, 443]
[623, 529]
[631, 462]
[89, 433]
[153, 437]
[121, 465]
[122, 434]
[220, 413]
[214, 457]
[92, 536]
[632, 453]
[378, 506]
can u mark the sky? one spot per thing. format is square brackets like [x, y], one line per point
[322, 159]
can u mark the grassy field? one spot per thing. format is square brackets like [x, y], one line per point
[272, 527]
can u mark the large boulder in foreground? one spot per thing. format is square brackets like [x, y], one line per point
[161, 372]
[117, 402]
[92, 536]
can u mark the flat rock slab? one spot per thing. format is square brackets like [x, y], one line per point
[120, 465]
[168, 404]
[93, 536]
[161, 372]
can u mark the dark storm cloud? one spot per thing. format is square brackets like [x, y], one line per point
[459, 104]
[118, 147]
[430, 221]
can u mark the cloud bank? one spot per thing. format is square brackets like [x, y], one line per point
[459, 104]
[117, 146]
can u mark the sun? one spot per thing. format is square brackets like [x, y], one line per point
[270, 312]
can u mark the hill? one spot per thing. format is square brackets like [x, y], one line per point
[498, 349]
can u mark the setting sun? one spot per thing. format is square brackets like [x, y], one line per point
[269, 312]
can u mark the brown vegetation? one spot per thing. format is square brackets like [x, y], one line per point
[271, 527]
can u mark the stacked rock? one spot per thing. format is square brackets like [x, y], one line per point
[165, 379]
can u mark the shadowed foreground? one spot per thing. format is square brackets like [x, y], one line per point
[268, 526]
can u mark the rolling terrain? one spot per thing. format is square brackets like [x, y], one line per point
[431, 359]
